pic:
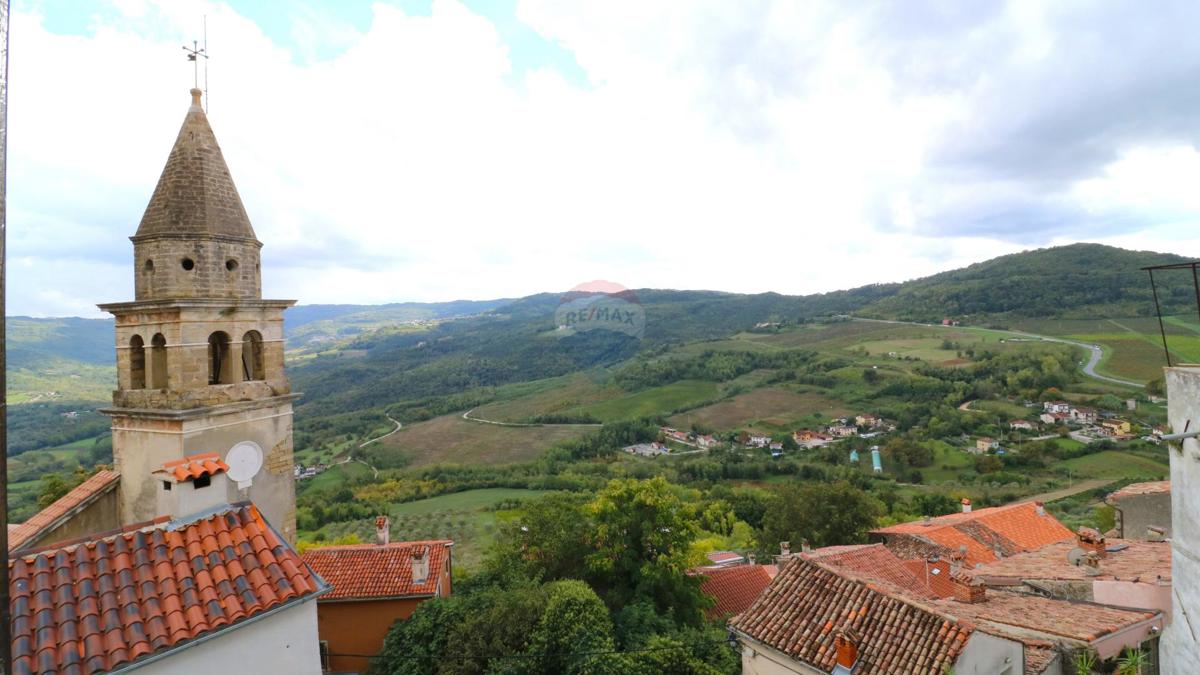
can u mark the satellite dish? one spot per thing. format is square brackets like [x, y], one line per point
[245, 460]
[1076, 555]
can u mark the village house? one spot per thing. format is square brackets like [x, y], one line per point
[707, 442]
[1116, 428]
[1022, 425]
[1057, 407]
[757, 441]
[984, 445]
[842, 430]
[372, 587]
[1054, 419]
[1143, 510]
[1119, 572]
[807, 438]
[733, 587]
[975, 536]
[647, 449]
[245, 603]
[818, 617]
[1084, 415]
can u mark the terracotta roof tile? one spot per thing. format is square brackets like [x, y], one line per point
[1008, 529]
[92, 606]
[734, 588]
[803, 608]
[98, 484]
[194, 466]
[372, 571]
[874, 561]
[1136, 560]
[1134, 489]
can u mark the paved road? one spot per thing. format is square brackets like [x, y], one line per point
[380, 438]
[467, 416]
[1089, 368]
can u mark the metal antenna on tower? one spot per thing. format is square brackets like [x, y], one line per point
[206, 104]
[194, 55]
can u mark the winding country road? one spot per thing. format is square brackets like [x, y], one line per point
[1089, 369]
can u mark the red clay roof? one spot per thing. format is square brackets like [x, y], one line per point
[363, 571]
[808, 603]
[1148, 561]
[734, 588]
[1011, 529]
[194, 466]
[93, 606]
[874, 561]
[723, 556]
[85, 492]
[1151, 488]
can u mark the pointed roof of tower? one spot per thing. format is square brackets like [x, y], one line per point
[195, 195]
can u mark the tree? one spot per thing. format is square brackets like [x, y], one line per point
[53, 487]
[821, 514]
[639, 540]
[573, 628]
[414, 646]
[926, 504]
[548, 541]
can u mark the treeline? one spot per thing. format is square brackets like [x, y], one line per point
[716, 366]
[32, 426]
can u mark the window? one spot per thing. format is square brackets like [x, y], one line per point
[218, 358]
[231, 264]
[188, 264]
[137, 363]
[252, 356]
[148, 266]
[167, 485]
[158, 362]
[202, 481]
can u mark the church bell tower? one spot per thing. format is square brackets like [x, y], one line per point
[199, 351]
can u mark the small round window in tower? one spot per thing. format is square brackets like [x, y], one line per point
[188, 264]
[148, 267]
[231, 264]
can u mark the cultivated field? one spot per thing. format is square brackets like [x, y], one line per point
[451, 439]
[769, 406]
[653, 401]
[555, 395]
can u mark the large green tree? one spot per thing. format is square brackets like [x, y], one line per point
[821, 514]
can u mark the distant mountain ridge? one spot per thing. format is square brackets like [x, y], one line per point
[1075, 281]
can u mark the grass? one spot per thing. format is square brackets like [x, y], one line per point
[451, 439]
[948, 462]
[773, 406]
[541, 397]
[654, 401]
[1116, 465]
[468, 518]
[1002, 407]
[469, 500]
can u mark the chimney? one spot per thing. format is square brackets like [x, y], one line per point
[1040, 507]
[190, 485]
[927, 521]
[804, 546]
[1090, 539]
[381, 530]
[966, 505]
[1156, 533]
[785, 548]
[966, 590]
[1091, 564]
[751, 558]
[420, 564]
[845, 647]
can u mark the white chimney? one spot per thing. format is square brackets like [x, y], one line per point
[1041, 508]
[966, 505]
[420, 564]
[381, 530]
[751, 558]
[785, 548]
[190, 485]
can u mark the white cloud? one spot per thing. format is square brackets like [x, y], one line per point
[743, 148]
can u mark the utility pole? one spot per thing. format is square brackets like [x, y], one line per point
[5, 612]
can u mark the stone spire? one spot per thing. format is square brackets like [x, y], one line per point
[195, 195]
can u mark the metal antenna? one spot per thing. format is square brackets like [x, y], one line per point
[194, 55]
[206, 63]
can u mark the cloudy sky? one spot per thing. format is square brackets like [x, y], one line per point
[419, 150]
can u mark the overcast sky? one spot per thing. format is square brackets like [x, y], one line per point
[439, 150]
